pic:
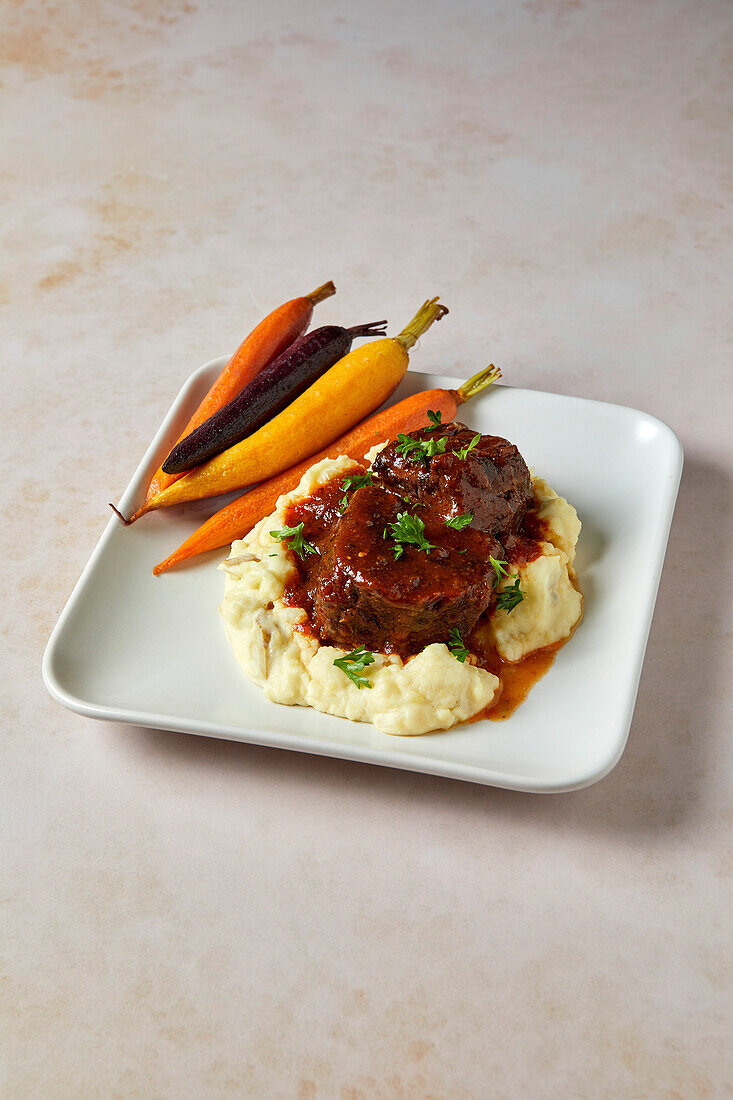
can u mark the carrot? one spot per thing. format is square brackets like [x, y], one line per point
[270, 338]
[340, 398]
[238, 517]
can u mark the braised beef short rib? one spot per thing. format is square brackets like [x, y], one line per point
[492, 482]
[363, 595]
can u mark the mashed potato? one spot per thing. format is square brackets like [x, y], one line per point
[552, 604]
[429, 691]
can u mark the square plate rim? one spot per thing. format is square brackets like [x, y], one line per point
[338, 750]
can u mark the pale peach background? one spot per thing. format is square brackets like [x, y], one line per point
[183, 918]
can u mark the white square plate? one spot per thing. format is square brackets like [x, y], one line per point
[131, 647]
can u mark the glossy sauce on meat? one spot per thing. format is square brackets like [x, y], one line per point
[321, 510]
[398, 604]
[318, 513]
[491, 482]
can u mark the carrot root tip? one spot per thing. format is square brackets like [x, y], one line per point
[374, 328]
[118, 513]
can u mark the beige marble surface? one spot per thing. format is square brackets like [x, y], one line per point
[183, 918]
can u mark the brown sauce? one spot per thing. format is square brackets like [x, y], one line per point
[295, 594]
[517, 680]
[521, 549]
[321, 510]
[318, 513]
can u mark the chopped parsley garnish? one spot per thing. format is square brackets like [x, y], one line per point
[409, 530]
[421, 450]
[354, 663]
[435, 419]
[459, 522]
[463, 452]
[406, 444]
[356, 481]
[434, 447]
[295, 540]
[510, 597]
[498, 567]
[456, 646]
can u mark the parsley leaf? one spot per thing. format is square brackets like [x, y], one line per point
[459, 522]
[463, 452]
[354, 663]
[435, 419]
[409, 530]
[510, 597]
[357, 481]
[498, 567]
[434, 447]
[406, 444]
[421, 450]
[295, 542]
[456, 646]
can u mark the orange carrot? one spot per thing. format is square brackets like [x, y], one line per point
[270, 338]
[237, 518]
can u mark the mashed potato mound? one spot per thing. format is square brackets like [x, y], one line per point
[552, 605]
[429, 691]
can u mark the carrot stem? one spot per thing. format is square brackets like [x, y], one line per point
[477, 382]
[428, 312]
[321, 292]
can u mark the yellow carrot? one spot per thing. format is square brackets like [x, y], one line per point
[344, 395]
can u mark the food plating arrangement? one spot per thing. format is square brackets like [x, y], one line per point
[392, 566]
